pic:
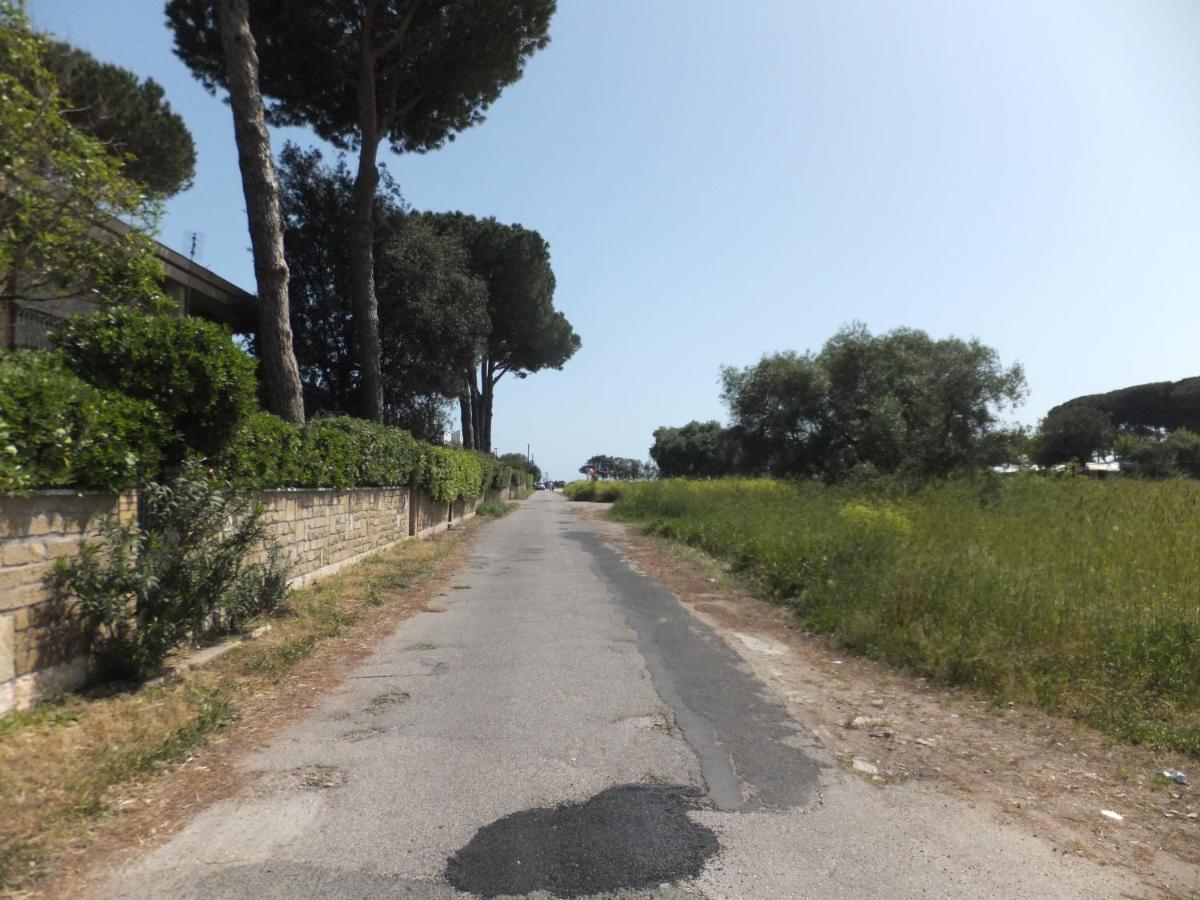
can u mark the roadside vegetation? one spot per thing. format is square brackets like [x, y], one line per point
[73, 764]
[595, 491]
[1077, 596]
[494, 509]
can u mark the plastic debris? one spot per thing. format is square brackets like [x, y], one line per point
[1173, 775]
[1115, 816]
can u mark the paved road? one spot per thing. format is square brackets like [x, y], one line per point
[565, 727]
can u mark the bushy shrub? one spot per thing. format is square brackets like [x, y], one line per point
[338, 451]
[56, 430]
[449, 474]
[494, 508]
[182, 572]
[265, 452]
[190, 369]
[342, 451]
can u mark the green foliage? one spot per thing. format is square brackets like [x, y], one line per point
[1144, 408]
[523, 470]
[343, 452]
[183, 571]
[432, 315]
[622, 468]
[440, 63]
[1072, 434]
[128, 117]
[190, 369]
[524, 333]
[1073, 594]
[697, 450]
[1173, 456]
[61, 192]
[901, 402]
[494, 508]
[356, 453]
[334, 451]
[449, 474]
[56, 430]
[595, 491]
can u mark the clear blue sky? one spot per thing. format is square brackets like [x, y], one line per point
[716, 184]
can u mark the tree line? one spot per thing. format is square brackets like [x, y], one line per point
[365, 305]
[1152, 429]
[899, 403]
[619, 468]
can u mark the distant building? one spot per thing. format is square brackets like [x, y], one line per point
[199, 292]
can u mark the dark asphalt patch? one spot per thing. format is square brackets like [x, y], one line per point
[625, 837]
[752, 754]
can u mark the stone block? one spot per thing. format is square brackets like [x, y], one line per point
[8, 648]
[22, 552]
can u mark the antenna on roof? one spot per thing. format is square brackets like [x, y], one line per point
[194, 242]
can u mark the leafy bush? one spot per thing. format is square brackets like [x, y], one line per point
[494, 508]
[190, 369]
[1074, 594]
[265, 452]
[183, 573]
[56, 430]
[338, 451]
[449, 474]
[349, 452]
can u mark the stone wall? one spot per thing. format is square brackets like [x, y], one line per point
[320, 531]
[39, 645]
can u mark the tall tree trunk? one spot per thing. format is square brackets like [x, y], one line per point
[362, 283]
[464, 410]
[488, 389]
[473, 408]
[362, 236]
[281, 375]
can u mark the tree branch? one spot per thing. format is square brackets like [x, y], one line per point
[401, 30]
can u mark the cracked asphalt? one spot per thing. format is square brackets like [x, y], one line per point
[562, 726]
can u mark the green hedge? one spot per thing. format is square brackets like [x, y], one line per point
[56, 430]
[190, 369]
[342, 452]
[149, 391]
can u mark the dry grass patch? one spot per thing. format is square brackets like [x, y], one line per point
[86, 770]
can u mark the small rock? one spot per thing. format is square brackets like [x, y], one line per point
[924, 742]
[1109, 814]
[867, 768]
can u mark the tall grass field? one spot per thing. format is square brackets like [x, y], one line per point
[1082, 597]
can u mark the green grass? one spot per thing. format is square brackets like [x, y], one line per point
[596, 491]
[1082, 597]
[495, 508]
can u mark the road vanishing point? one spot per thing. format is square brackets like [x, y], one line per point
[562, 726]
